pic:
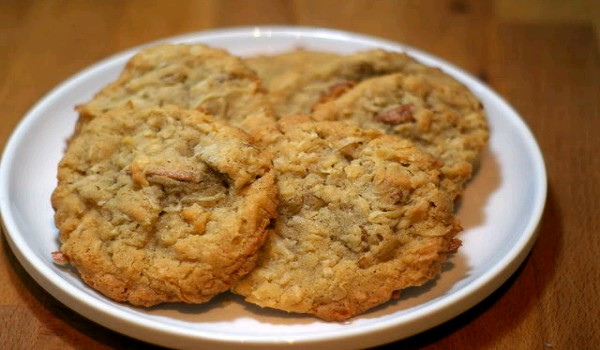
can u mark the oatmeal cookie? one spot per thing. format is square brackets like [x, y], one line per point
[433, 110]
[162, 204]
[361, 216]
[299, 88]
[189, 76]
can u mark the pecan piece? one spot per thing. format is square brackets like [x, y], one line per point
[140, 172]
[173, 78]
[59, 258]
[176, 174]
[395, 116]
[336, 91]
[454, 245]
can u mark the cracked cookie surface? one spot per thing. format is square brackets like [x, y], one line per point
[361, 216]
[162, 204]
[297, 89]
[388, 91]
[431, 109]
[189, 76]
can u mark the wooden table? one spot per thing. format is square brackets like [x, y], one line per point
[542, 56]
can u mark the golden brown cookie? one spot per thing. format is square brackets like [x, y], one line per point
[162, 204]
[361, 216]
[297, 89]
[189, 76]
[431, 109]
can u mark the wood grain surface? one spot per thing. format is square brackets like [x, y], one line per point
[541, 55]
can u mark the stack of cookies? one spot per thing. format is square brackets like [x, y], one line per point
[307, 182]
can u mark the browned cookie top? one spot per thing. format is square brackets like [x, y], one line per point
[162, 204]
[431, 109]
[297, 89]
[361, 216]
[388, 91]
[189, 76]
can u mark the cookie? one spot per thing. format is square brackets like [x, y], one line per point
[162, 204]
[431, 109]
[361, 216]
[301, 87]
[189, 76]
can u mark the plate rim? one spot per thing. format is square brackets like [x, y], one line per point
[451, 305]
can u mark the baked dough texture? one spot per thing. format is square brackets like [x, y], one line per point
[162, 204]
[332, 210]
[388, 91]
[434, 111]
[192, 77]
[300, 87]
[361, 216]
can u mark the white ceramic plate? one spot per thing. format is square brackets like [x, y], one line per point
[501, 209]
